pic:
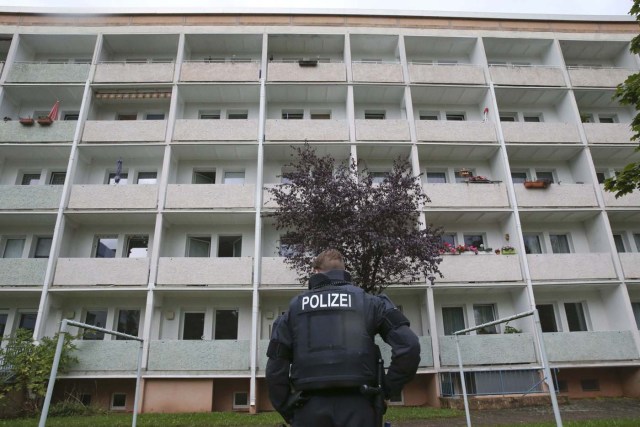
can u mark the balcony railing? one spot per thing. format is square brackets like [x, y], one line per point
[379, 72]
[493, 349]
[102, 272]
[477, 195]
[630, 265]
[119, 72]
[307, 130]
[382, 130]
[43, 72]
[30, 197]
[22, 271]
[109, 356]
[209, 196]
[557, 195]
[589, 266]
[450, 131]
[535, 133]
[466, 74]
[596, 346]
[213, 71]
[113, 197]
[608, 133]
[124, 131]
[598, 77]
[58, 131]
[276, 273]
[180, 271]
[530, 75]
[215, 130]
[470, 268]
[293, 72]
[199, 356]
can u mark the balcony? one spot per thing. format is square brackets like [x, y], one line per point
[537, 75]
[22, 271]
[501, 349]
[382, 130]
[122, 72]
[293, 72]
[30, 197]
[444, 131]
[566, 133]
[42, 72]
[102, 272]
[627, 201]
[598, 77]
[465, 74]
[106, 356]
[205, 271]
[199, 356]
[557, 195]
[113, 197]
[466, 195]
[59, 131]
[471, 268]
[309, 130]
[553, 267]
[124, 131]
[276, 273]
[608, 133]
[202, 196]
[426, 352]
[377, 72]
[596, 346]
[204, 71]
[630, 265]
[215, 130]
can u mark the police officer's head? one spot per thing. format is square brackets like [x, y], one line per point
[331, 259]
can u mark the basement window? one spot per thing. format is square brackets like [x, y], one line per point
[590, 385]
[118, 401]
[240, 400]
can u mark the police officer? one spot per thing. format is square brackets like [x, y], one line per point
[324, 347]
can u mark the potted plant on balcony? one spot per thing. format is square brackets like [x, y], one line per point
[511, 330]
[538, 183]
[26, 121]
[508, 250]
[479, 179]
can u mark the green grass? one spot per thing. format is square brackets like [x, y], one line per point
[589, 423]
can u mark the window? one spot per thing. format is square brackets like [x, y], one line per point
[154, 116]
[240, 400]
[601, 177]
[634, 305]
[532, 243]
[30, 179]
[28, 321]
[476, 240]
[375, 114]
[559, 243]
[508, 117]
[95, 318]
[452, 319]
[199, 247]
[484, 313]
[43, 247]
[460, 178]
[127, 116]
[456, 117]
[547, 318]
[118, 401]
[449, 238]
[226, 325]
[437, 177]
[193, 326]
[292, 114]
[378, 177]
[85, 399]
[587, 118]
[518, 177]
[428, 115]
[590, 385]
[3, 324]
[209, 115]
[122, 178]
[636, 238]
[608, 118]
[137, 246]
[233, 177]
[237, 114]
[229, 246]
[57, 178]
[128, 322]
[204, 177]
[285, 249]
[147, 178]
[546, 175]
[619, 241]
[71, 116]
[321, 115]
[575, 316]
[13, 248]
[106, 247]
[533, 118]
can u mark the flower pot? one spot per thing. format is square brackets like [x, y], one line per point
[26, 121]
[536, 184]
[508, 252]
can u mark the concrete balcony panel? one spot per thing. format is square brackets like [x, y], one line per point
[215, 130]
[566, 133]
[199, 355]
[107, 355]
[220, 72]
[466, 195]
[118, 72]
[598, 77]
[25, 72]
[469, 267]
[382, 130]
[113, 197]
[58, 131]
[608, 133]
[379, 73]
[527, 76]
[426, 351]
[276, 272]
[310, 130]
[627, 201]
[174, 271]
[292, 72]
[488, 349]
[630, 265]
[204, 196]
[597, 346]
[451, 74]
[552, 267]
[444, 131]
[102, 272]
[22, 271]
[30, 197]
[124, 131]
[557, 195]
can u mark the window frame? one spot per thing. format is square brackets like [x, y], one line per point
[237, 406]
[198, 237]
[567, 237]
[96, 242]
[129, 238]
[149, 173]
[556, 319]
[204, 172]
[6, 239]
[54, 175]
[464, 317]
[36, 245]
[215, 323]
[237, 237]
[490, 330]
[113, 407]
[234, 180]
[375, 114]
[184, 323]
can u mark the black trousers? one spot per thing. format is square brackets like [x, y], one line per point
[335, 410]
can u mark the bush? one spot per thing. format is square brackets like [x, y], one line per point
[69, 408]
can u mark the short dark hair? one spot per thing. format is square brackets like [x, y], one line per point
[331, 259]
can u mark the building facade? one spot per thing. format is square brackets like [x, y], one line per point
[141, 208]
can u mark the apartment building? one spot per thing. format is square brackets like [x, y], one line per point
[141, 208]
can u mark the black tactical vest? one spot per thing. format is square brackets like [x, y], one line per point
[331, 346]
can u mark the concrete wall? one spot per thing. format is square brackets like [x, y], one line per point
[611, 382]
[382, 130]
[122, 72]
[557, 195]
[608, 133]
[215, 130]
[303, 130]
[113, 197]
[59, 131]
[466, 195]
[452, 74]
[444, 131]
[595, 346]
[219, 72]
[205, 271]
[292, 72]
[595, 77]
[172, 395]
[629, 200]
[101, 272]
[380, 73]
[22, 271]
[112, 356]
[479, 268]
[48, 73]
[203, 356]
[194, 196]
[27, 197]
[540, 132]
[488, 349]
[276, 272]
[630, 265]
[124, 131]
[577, 266]
[527, 76]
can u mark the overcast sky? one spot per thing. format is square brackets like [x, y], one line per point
[577, 7]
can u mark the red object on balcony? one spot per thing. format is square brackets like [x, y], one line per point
[53, 115]
[541, 183]
[26, 121]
